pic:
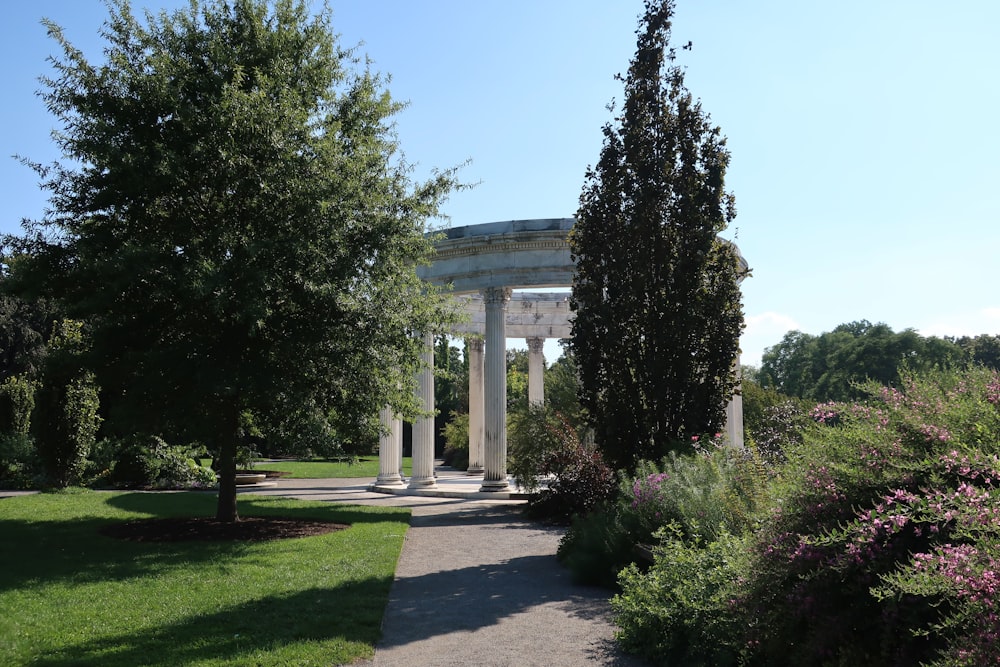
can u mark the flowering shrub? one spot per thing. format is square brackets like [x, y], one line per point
[778, 427]
[649, 500]
[881, 547]
[545, 447]
[714, 490]
[700, 510]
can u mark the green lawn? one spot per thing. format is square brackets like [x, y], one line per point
[366, 467]
[70, 596]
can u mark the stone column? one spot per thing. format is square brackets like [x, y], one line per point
[389, 451]
[734, 414]
[536, 371]
[476, 406]
[495, 402]
[423, 427]
[397, 438]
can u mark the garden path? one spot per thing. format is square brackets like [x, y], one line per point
[477, 584]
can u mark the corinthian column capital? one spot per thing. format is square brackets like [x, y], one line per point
[496, 296]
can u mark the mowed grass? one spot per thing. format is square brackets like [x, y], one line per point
[70, 596]
[366, 467]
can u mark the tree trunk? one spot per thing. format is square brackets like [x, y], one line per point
[229, 436]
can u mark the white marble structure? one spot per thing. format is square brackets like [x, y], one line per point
[484, 264]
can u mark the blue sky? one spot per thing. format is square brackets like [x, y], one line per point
[863, 133]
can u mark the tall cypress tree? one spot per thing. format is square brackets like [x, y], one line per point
[656, 295]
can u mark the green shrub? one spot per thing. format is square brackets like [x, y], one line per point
[533, 433]
[17, 400]
[680, 611]
[19, 465]
[153, 463]
[596, 547]
[66, 426]
[456, 441]
[65, 420]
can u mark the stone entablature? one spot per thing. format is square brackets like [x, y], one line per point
[529, 315]
[516, 254]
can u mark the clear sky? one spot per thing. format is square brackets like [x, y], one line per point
[864, 133]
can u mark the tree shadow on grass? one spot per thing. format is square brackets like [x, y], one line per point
[200, 504]
[47, 551]
[53, 551]
[269, 630]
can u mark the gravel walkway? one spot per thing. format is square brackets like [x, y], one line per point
[477, 584]
[481, 586]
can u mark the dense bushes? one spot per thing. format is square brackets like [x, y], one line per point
[549, 460]
[889, 523]
[151, 462]
[456, 441]
[66, 407]
[715, 491]
[49, 428]
[877, 542]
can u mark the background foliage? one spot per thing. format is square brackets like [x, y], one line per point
[826, 367]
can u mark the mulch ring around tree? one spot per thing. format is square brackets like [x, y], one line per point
[204, 529]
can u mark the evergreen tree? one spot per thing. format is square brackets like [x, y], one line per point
[234, 225]
[657, 301]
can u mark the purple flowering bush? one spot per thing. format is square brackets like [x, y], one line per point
[715, 489]
[882, 543]
[876, 542]
[698, 510]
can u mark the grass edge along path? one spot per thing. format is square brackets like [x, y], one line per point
[319, 469]
[69, 595]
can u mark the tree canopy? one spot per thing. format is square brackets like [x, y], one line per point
[656, 295]
[235, 226]
[828, 367]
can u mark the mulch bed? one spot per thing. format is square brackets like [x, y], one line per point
[247, 529]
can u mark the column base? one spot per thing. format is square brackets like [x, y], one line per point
[389, 480]
[475, 470]
[422, 483]
[494, 485]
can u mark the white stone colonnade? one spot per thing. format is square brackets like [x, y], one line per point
[484, 265]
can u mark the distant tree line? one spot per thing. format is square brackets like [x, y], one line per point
[828, 367]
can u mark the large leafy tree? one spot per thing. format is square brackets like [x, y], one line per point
[234, 225]
[657, 301]
[830, 366]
